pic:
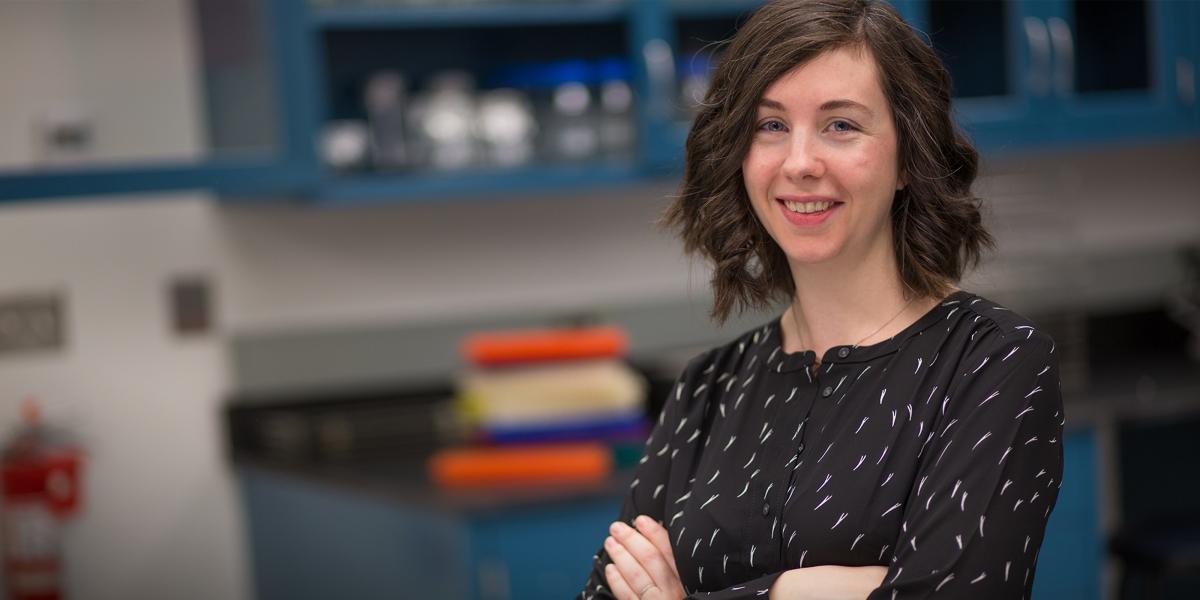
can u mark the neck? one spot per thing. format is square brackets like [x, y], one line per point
[836, 304]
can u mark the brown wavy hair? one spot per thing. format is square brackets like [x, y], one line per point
[936, 223]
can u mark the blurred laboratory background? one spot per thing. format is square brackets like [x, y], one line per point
[310, 299]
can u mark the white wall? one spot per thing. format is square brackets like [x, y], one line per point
[295, 266]
[160, 518]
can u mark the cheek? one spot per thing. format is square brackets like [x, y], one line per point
[757, 170]
[873, 168]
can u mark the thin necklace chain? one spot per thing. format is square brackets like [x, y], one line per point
[867, 337]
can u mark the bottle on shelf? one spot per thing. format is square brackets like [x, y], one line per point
[616, 126]
[570, 127]
[506, 127]
[385, 99]
[443, 120]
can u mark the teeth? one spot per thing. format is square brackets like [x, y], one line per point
[808, 207]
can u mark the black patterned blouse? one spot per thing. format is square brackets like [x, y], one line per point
[936, 453]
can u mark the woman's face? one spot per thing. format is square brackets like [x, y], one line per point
[822, 168]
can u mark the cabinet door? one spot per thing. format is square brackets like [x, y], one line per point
[1117, 68]
[999, 58]
[1185, 21]
[696, 31]
[129, 96]
[1070, 563]
[317, 541]
[538, 553]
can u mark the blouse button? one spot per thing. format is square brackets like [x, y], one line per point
[827, 392]
[843, 352]
[766, 508]
[800, 449]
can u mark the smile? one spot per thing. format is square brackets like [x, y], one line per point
[808, 207]
[808, 214]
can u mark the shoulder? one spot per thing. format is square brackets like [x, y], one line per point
[705, 368]
[994, 328]
[1006, 358]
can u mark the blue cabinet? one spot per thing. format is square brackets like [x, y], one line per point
[1000, 62]
[1116, 69]
[311, 540]
[248, 139]
[1071, 560]
[1028, 74]
[317, 540]
[1035, 73]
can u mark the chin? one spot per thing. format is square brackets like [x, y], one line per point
[810, 255]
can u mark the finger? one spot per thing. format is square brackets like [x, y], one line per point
[632, 571]
[617, 584]
[659, 537]
[651, 559]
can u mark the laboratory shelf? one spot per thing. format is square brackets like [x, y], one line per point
[382, 16]
[477, 183]
[226, 176]
[697, 9]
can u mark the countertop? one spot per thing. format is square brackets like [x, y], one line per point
[1149, 387]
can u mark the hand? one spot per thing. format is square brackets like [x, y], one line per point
[828, 582]
[643, 565]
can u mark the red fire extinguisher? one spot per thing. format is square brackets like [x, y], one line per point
[40, 476]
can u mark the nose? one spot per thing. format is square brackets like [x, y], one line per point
[804, 159]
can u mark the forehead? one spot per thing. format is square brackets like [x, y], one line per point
[844, 73]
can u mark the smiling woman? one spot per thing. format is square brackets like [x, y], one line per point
[889, 435]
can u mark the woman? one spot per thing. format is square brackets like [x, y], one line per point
[888, 436]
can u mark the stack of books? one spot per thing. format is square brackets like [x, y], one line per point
[546, 406]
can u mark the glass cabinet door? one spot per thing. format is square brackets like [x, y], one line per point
[699, 31]
[1116, 66]
[134, 95]
[998, 59]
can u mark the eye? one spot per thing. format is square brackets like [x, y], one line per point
[848, 126]
[771, 126]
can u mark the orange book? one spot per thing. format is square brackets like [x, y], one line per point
[550, 463]
[512, 347]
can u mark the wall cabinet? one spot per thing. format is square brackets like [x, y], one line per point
[1035, 73]
[350, 101]
[123, 97]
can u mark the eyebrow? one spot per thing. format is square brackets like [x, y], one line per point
[840, 103]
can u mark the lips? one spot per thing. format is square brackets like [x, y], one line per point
[807, 211]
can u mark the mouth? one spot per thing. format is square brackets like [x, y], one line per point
[808, 215]
[809, 208]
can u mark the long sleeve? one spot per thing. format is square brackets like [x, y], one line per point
[647, 493]
[645, 496]
[988, 475]
[757, 588]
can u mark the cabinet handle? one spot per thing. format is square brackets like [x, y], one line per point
[493, 580]
[1185, 80]
[1039, 50]
[660, 72]
[1064, 56]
